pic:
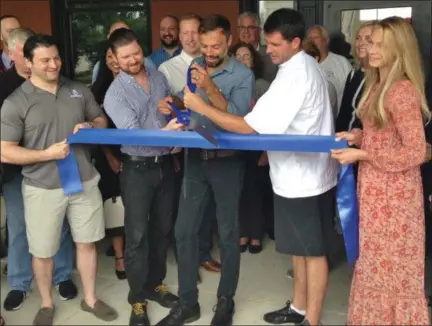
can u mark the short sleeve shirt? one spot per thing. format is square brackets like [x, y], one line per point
[37, 119]
[297, 103]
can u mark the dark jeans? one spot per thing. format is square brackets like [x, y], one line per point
[208, 222]
[223, 176]
[147, 192]
[256, 204]
[206, 232]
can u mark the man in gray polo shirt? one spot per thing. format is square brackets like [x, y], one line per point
[35, 121]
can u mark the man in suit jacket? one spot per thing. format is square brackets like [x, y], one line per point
[250, 32]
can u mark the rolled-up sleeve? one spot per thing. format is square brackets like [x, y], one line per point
[12, 123]
[240, 97]
[119, 110]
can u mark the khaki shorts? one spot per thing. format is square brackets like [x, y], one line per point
[45, 210]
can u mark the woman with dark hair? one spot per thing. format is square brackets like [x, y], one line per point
[256, 203]
[107, 162]
[246, 54]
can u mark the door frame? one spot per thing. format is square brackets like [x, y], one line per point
[421, 19]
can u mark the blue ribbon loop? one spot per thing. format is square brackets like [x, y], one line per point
[346, 192]
[70, 178]
[347, 205]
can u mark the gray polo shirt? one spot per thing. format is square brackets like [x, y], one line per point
[37, 119]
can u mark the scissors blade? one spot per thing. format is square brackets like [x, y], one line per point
[206, 134]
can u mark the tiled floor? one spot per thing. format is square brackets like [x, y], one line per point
[263, 287]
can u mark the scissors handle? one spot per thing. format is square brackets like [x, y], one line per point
[183, 117]
[189, 82]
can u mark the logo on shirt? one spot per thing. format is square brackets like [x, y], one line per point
[76, 94]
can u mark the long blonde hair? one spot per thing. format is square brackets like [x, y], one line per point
[357, 61]
[401, 51]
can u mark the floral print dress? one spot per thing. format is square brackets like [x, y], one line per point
[388, 281]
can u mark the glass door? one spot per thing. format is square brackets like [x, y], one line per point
[89, 22]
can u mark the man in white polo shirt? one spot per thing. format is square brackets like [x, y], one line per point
[303, 183]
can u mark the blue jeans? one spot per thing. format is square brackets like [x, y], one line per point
[20, 272]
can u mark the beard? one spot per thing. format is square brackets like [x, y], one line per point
[216, 61]
[170, 44]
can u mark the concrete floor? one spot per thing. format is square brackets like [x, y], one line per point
[263, 287]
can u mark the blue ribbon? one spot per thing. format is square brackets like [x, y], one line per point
[346, 192]
[70, 178]
[347, 205]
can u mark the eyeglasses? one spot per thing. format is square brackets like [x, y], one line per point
[243, 57]
[248, 29]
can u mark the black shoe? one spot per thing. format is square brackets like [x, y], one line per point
[243, 247]
[121, 275]
[284, 315]
[255, 249]
[181, 315]
[224, 312]
[139, 316]
[67, 290]
[14, 300]
[290, 273]
[162, 296]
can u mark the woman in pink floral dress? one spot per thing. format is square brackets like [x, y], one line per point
[388, 282]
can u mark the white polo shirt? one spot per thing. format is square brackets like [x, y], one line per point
[175, 70]
[297, 103]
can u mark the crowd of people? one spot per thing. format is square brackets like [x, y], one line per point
[148, 198]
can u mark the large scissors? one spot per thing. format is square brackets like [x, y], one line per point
[184, 116]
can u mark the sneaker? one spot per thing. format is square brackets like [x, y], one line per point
[284, 315]
[14, 300]
[67, 290]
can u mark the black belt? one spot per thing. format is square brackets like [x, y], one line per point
[213, 154]
[146, 159]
